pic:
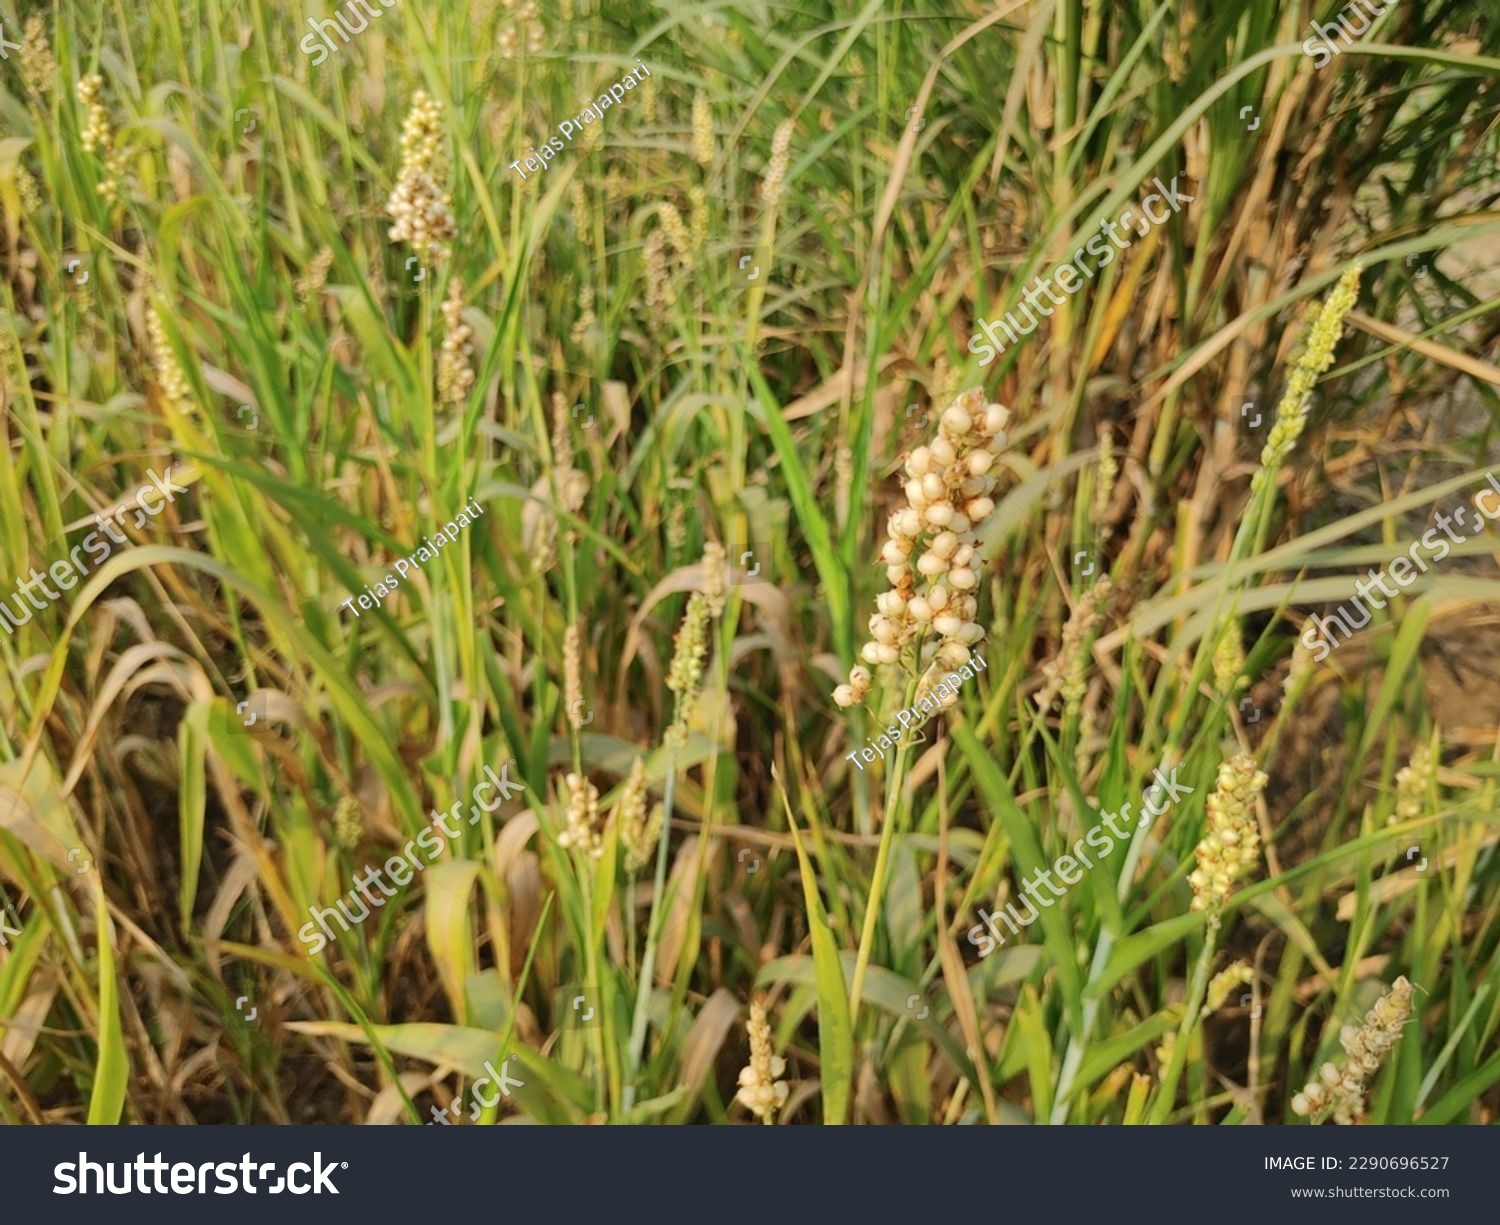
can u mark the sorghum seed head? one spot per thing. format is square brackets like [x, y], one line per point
[956, 421]
[760, 1091]
[1231, 842]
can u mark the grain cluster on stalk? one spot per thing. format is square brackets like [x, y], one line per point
[1321, 332]
[1229, 658]
[1341, 1091]
[38, 66]
[1231, 844]
[703, 128]
[420, 208]
[1413, 782]
[455, 374]
[98, 136]
[175, 388]
[675, 228]
[660, 295]
[1236, 974]
[564, 486]
[573, 675]
[761, 1091]
[933, 540]
[586, 317]
[584, 832]
[775, 177]
[639, 832]
[1065, 673]
[1104, 487]
[690, 646]
[310, 284]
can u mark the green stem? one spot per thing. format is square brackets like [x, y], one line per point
[1167, 1094]
[653, 934]
[882, 863]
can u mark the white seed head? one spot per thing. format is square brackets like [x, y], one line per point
[888, 654]
[957, 422]
[952, 655]
[943, 452]
[938, 598]
[979, 509]
[931, 565]
[947, 624]
[939, 515]
[932, 486]
[843, 696]
[995, 418]
[963, 579]
[919, 463]
[911, 523]
[979, 462]
[870, 653]
[944, 543]
[920, 609]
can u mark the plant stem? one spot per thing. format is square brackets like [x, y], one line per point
[653, 933]
[1167, 1093]
[882, 863]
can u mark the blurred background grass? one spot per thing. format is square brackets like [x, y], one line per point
[636, 396]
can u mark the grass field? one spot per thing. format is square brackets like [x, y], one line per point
[699, 378]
